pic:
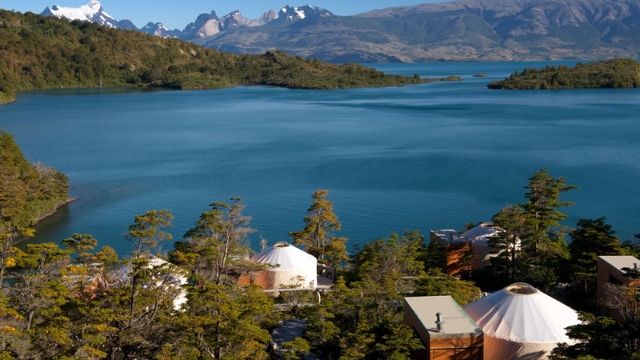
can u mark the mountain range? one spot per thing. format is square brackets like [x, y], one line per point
[462, 30]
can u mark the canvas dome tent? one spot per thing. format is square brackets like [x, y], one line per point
[521, 322]
[290, 266]
[479, 238]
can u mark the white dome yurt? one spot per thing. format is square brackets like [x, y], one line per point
[290, 267]
[479, 238]
[521, 322]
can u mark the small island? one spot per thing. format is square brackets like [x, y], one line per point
[615, 73]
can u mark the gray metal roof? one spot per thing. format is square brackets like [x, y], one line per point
[456, 321]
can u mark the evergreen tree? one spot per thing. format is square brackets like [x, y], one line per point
[217, 242]
[506, 244]
[591, 238]
[542, 210]
[317, 237]
[532, 234]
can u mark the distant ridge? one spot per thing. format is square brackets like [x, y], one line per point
[463, 30]
[205, 24]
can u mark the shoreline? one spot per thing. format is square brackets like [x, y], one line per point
[49, 213]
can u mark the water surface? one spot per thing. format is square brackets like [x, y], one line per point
[429, 156]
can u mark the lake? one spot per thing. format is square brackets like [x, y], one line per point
[429, 156]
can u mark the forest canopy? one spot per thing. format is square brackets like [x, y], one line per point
[615, 73]
[38, 52]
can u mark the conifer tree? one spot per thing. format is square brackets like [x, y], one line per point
[317, 237]
[217, 242]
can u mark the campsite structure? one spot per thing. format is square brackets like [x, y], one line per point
[613, 271]
[445, 329]
[289, 268]
[466, 251]
[521, 322]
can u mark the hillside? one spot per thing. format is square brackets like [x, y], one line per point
[464, 30]
[28, 192]
[617, 73]
[38, 52]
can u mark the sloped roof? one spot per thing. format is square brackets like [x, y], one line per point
[481, 232]
[621, 261]
[524, 314]
[286, 256]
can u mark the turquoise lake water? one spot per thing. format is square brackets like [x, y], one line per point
[422, 157]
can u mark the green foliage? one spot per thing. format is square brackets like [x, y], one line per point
[27, 193]
[38, 52]
[317, 236]
[437, 283]
[600, 338]
[592, 238]
[615, 73]
[295, 349]
[146, 232]
[393, 262]
[224, 321]
[217, 243]
[531, 247]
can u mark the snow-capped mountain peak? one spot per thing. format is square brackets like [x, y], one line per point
[158, 29]
[92, 11]
[302, 12]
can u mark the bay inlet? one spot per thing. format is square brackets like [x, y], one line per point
[428, 156]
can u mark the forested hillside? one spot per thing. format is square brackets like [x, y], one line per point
[38, 52]
[616, 73]
[27, 193]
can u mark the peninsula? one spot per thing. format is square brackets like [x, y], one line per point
[39, 52]
[615, 73]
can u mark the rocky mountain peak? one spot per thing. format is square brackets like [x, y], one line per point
[92, 11]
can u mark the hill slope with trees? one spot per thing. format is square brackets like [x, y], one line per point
[28, 192]
[616, 73]
[38, 52]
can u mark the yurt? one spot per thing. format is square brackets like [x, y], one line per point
[289, 267]
[521, 322]
[479, 238]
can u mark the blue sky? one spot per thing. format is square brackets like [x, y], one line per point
[177, 14]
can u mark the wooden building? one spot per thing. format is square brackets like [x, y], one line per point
[445, 329]
[613, 270]
[457, 247]
[466, 251]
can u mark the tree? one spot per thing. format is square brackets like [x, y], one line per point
[15, 178]
[217, 242]
[295, 349]
[437, 283]
[227, 322]
[26, 192]
[144, 235]
[506, 244]
[396, 261]
[600, 338]
[591, 238]
[146, 232]
[542, 210]
[317, 236]
[536, 224]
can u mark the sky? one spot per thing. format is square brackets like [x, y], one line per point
[177, 14]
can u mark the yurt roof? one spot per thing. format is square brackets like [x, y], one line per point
[285, 255]
[481, 232]
[522, 313]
